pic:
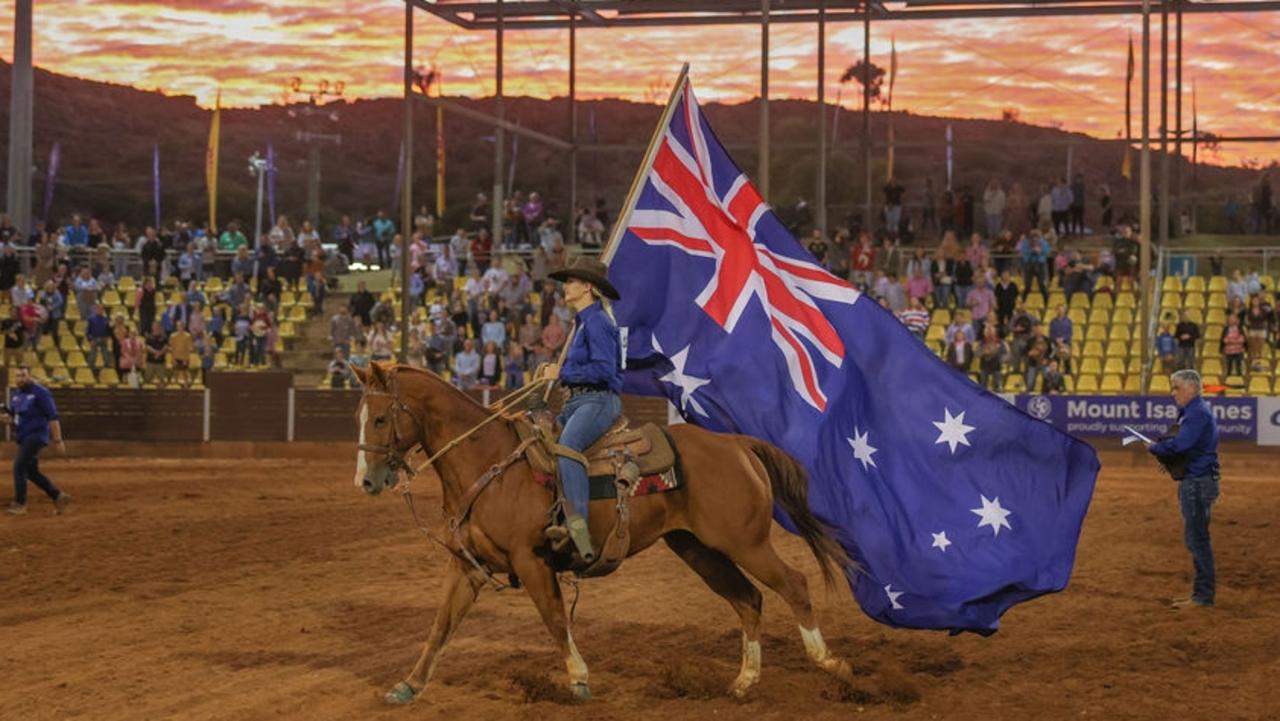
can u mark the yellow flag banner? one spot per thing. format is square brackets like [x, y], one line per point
[1126, 166]
[439, 162]
[211, 162]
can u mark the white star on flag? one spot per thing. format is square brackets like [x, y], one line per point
[678, 378]
[893, 596]
[862, 450]
[940, 541]
[952, 430]
[992, 515]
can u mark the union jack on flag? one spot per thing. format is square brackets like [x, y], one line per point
[705, 207]
[955, 505]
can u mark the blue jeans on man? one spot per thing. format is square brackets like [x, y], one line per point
[585, 418]
[26, 466]
[1196, 495]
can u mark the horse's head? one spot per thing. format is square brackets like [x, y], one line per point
[388, 429]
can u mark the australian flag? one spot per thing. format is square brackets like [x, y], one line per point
[955, 505]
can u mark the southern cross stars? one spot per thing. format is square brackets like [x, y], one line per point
[862, 450]
[992, 515]
[940, 541]
[893, 596]
[678, 378]
[952, 430]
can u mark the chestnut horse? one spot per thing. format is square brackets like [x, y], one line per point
[718, 522]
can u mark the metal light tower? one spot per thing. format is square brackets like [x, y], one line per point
[20, 121]
[258, 166]
[315, 108]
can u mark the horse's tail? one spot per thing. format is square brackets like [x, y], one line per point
[791, 491]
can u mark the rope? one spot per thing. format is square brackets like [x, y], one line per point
[498, 413]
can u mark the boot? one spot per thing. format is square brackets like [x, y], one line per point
[581, 536]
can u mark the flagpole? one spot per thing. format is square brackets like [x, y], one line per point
[633, 195]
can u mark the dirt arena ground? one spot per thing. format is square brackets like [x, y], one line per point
[273, 589]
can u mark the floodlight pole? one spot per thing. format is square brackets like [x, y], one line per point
[1164, 123]
[571, 217]
[20, 121]
[1177, 118]
[822, 118]
[866, 109]
[498, 135]
[406, 187]
[762, 167]
[1144, 200]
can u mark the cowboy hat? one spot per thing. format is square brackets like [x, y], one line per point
[590, 270]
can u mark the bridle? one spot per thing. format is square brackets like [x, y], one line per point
[392, 456]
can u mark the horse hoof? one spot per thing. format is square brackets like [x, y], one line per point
[400, 694]
[581, 692]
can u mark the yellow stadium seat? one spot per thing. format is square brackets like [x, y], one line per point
[1097, 316]
[1267, 282]
[1217, 300]
[1126, 300]
[84, 377]
[1057, 298]
[75, 359]
[108, 377]
[1210, 380]
[1035, 301]
[127, 285]
[1087, 384]
[1133, 383]
[1096, 332]
[1259, 386]
[46, 343]
[1195, 315]
[1123, 316]
[1102, 300]
[1218, 283]
[1079, 300]
[1015, 384]
[1159, 384]
[1171, 300]
[1235, 381]
[1070, 383]
[1090, 366]
[1212, 333]
[1077, 317]
[1194, 284]
[1135, 366]
[287, 329]
[304, 299]
[213, 285]
[110, 298]
[221, 360]
[297, 313]
[1113, 366]
[1117, 349]
[1216, 316]
[73, 311]
[1211, 366]
[1104, 281]
[67, 343]
[1119, 332]
[1172, 284]
[1111, 384]
[52, 359]
[1193, 300]
[1092, 349]
[941, 316]
[936, 333]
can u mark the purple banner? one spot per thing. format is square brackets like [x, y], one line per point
[271, 186]
[1151, 415]
[155, 181]
[55, 159]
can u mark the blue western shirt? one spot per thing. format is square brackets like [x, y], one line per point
[33, 410]
[1197, 437]
[594, 356]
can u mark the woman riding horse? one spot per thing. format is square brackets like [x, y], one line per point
[593, 374]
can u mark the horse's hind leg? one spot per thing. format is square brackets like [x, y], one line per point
[460, 591]
[540, 581]
[763, 562]
[724, 578]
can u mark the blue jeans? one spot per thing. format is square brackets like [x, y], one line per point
[585, 418]
[1196, 495]
[26, 466]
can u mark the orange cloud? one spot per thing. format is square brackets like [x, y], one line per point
[1067, 71]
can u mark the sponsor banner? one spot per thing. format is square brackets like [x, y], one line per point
[1238, 418]
[1269, 421]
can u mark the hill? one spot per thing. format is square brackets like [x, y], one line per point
[107, 133]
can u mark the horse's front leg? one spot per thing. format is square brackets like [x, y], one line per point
[543, 587]
[460, 592]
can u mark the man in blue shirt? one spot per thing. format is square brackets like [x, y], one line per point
[98, 333]
[1197, 442]
[32, 410]
[592, 372]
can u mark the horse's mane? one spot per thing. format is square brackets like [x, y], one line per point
[440, 380]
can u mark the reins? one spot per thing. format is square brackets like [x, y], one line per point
[396, 461]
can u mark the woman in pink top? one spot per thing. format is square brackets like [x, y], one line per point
[554, 334]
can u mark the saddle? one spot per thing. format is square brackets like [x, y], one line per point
[625, 462]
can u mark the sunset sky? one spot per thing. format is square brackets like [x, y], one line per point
[1054, 70]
